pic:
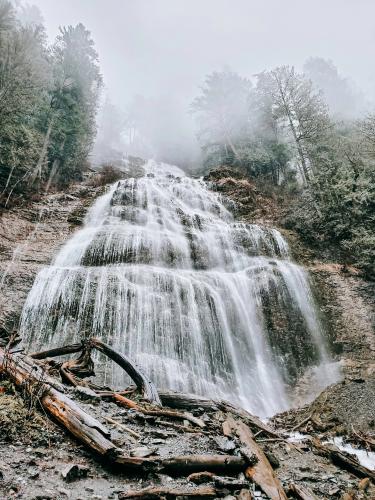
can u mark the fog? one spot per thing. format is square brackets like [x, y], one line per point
[162, 49]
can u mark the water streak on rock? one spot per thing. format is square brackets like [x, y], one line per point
[206, 305]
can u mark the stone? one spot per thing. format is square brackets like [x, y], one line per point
[224, 443]
[157, 441]
[86, 393]
[364, 484]
[245, 495]
[64, 492]
[273, 460]
[142, 452]
[33, 474]
[40, 452]
[73, 472]
[334, 491]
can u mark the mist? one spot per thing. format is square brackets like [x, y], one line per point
[161, 52]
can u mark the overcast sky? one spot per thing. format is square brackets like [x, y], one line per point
[154, 47]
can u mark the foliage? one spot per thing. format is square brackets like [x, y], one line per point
[48, 100]
[108, 174]
[282, 132]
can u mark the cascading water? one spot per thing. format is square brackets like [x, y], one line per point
[204, 304]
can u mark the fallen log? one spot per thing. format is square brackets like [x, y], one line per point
[192, 402]
[27, 364]
[196, 463]
[301, 492]
[123, 401]
[343, 460]
[57, 351]
[156, 493]
[26, 373]
[83, 426]
[247, 417]
[141, 381]
[186, 401]
[261, 472]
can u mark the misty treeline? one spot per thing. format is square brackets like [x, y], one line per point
[48, 102]
[299, 133]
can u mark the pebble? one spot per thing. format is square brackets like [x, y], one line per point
[64, 492]
[333, 491]
[33, 474]
[142, 452]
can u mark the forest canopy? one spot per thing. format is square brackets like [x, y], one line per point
[48, 102]
[286, 129]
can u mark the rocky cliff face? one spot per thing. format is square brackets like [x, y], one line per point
[31, 235]
[346, 303]
[29, 238]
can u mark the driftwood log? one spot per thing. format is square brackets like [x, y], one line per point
[156, 493]
[143, 383]
[194, 463]
[128, 403]
[301, 492]
[191, 402]
[26, 373]
[261, 472]
[343, 460]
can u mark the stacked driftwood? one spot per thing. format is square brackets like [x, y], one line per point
[213, 475]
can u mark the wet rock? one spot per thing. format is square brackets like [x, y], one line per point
[40, 452]
[142, 452]
[33, 474]
[73, 472]
[64, 492]
[86, 393]
[46, 495]
[224, 443]
[334, 491]
[157, 441]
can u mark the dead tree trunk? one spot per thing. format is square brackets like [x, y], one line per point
[261, 472]
[143, 383]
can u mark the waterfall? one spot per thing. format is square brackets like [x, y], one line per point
[204, 304]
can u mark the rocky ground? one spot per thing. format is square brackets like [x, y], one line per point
[36, 454]
[41, 461]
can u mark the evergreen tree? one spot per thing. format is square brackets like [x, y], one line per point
[74, 98]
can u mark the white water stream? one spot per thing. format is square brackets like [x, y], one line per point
[204, 304]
